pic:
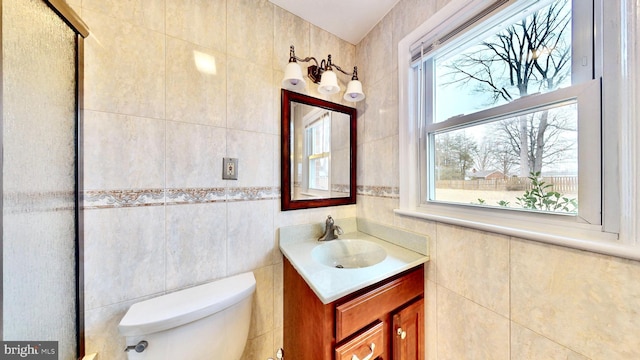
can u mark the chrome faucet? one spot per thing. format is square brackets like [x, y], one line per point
[330, 230]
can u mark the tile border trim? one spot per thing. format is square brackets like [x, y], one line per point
[107, 199]
[390, 192]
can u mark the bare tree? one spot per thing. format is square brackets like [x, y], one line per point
[483, 156]
[545, 137]
[454, 155]
[495, 152]
[503, 158]
[532, 55]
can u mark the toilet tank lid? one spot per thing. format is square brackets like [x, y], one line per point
[184, 306]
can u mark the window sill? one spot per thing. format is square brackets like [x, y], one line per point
[576, 236]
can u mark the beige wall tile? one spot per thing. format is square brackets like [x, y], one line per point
[196, 84]
[201, 22]
[250, 235]
[428, 228]
[278, 288]
[361, 178]
[525, 344]
[196, 244]
[467, 330]
[124, 67]
[250, 31]
[145, 13]
[431, 319]
[475, 265]
[381, 162]
[322, 43]
[377, 209]
[194, 156]
[250, 97]
[409, 14]
[276, 97]
[263, 300]
[253, 169]
[124, 254]
[581, 300]
[381, 114]
[378, 51]
[123, 152]
[276, 162]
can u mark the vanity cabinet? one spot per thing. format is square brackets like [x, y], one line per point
[383, 321]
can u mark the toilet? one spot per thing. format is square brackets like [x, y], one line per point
[209, 321]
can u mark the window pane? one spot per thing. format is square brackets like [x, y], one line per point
[528, 161]
[530, 53]
[319, 173]
[316, 140]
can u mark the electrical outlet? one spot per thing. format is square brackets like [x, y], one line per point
[230, 169]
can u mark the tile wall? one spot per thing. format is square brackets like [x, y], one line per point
[172, 87]
[489, 296]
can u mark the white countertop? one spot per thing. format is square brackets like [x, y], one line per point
[330, 283]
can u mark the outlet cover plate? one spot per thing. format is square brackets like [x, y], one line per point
[230, 169]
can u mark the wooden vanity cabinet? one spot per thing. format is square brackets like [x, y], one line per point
[389, 314]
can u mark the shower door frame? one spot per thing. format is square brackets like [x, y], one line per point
[69, 16]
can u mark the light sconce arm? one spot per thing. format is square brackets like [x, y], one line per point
[352, 74]
[294, 58]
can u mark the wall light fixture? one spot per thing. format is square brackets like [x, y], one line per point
[321, 73]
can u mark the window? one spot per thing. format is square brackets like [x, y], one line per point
[501, 120]
[318, 152]
[482, 144]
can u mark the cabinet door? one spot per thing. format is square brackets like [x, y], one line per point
[408, 332]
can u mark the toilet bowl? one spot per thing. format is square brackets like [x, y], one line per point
[209, 321]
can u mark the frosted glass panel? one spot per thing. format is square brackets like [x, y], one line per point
[38, 175]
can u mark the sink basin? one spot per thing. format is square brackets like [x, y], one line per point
[348, 254]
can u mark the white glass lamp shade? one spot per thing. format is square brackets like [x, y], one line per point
[293, 79]
[354, 91]
[328, 83]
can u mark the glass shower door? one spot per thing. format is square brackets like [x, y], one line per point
[39, 116]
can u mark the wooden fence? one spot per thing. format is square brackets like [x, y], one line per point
[561, 184]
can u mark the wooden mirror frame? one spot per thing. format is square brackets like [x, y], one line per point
[287, 203]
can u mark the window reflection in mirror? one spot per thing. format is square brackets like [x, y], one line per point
[318, 157]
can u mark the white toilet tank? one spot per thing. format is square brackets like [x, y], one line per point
[209, 321]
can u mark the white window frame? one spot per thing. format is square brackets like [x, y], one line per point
[310, 155]
[617, 235]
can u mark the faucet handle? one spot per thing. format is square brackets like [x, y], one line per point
[340, 231]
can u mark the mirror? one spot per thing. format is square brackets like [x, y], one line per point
[318, 153]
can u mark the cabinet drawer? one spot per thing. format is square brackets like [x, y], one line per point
[370, 344]
[375, 304]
